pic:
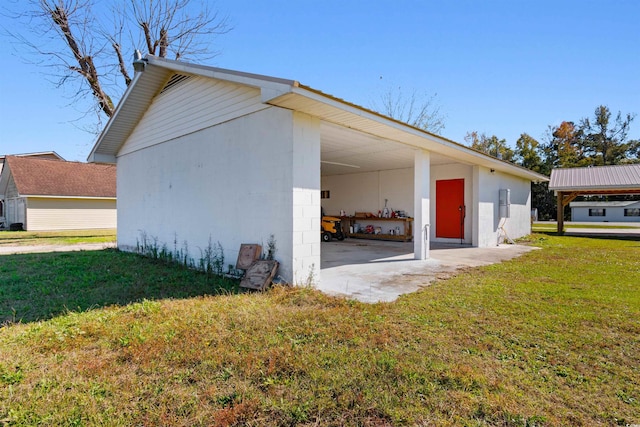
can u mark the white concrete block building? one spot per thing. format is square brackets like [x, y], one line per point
[206, 152]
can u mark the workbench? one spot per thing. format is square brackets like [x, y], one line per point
[386, 224]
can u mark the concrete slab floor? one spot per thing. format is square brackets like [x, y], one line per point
[375, 271]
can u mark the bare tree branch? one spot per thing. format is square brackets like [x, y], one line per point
[415, 108]
[70, 40]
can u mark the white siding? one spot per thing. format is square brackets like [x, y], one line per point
[612, 213]
[193, 105]
[233, 183]
[69, 214]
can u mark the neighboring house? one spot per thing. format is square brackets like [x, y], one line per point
[206, 153]
[40, 155]
[628, 211]
[45, 194]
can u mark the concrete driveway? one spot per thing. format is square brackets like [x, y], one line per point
[373, 271]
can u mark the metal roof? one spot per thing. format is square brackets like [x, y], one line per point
[286, 94]
[596, 178]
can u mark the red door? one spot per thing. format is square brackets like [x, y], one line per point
[450, 209]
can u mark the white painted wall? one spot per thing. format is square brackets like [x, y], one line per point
[306, 199]
[366, 192]
[69, 214]
[422, 202]
[487, 222]
[612, 214]
[454, 171]
[237, 182]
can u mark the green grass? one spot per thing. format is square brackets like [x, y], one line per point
[40, 286]
[548, 339]
[541, 227]
[22, 238]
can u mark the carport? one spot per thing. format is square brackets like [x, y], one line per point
[252, 156]
[570, 183]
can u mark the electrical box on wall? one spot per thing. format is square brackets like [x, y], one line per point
[504, 209]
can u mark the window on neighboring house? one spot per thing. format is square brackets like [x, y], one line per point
[597, 212]
[632, 212]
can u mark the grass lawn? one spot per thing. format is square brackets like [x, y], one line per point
[542, 227]
[547, 339]
[21, 238]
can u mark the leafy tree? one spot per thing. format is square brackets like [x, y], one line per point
[417, 109]
[564, 148]
[81, 42]
[604, 139]
[490, 145]
[527, 154]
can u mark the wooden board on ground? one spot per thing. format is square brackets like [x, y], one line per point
[260, 274]
[249, 252]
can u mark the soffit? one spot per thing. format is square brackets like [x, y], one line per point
[345, 151]
[378, 127]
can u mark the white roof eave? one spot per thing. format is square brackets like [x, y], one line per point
[286, 94]
[352, 116]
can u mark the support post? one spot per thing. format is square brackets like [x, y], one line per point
[421, 188]
[560, 213]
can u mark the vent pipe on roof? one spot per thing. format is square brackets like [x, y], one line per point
[139, 63]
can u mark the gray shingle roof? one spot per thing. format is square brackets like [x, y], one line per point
[596, 178]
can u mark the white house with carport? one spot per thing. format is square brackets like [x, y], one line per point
[204, 152]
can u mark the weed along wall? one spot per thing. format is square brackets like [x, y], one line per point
[233, 183]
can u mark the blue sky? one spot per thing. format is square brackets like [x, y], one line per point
[498, 67]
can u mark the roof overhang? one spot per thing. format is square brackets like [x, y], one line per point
[597, 180]
[291, 95]
[333, 110]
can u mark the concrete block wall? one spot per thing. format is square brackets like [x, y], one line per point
[233, 183]
[305, 262]
[487, 186]
[367, 191]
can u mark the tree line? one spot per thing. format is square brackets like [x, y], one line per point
[600, 140]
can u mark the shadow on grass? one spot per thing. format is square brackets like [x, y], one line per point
[41, 286]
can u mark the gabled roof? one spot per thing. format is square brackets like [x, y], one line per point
[58, 178]
[284, 93]
[40, 154]
[592, 179]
